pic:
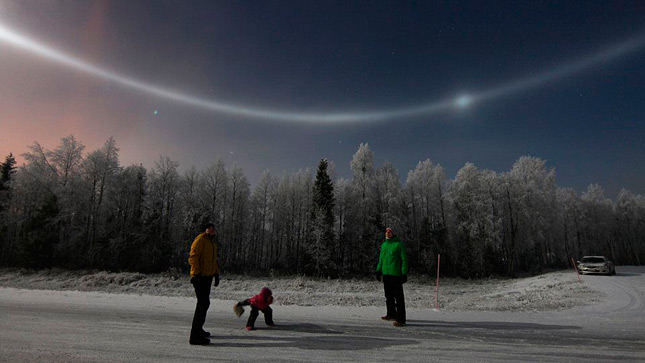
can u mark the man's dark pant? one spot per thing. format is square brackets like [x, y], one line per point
[394, 299]
[202, 285]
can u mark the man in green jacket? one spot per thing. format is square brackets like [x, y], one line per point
[203, 269]
[393, 268]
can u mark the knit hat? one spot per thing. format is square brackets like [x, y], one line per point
[265, 292]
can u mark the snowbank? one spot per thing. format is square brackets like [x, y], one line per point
[552, 291]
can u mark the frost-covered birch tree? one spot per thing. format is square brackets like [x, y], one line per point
[98, 169]
[235, 242]
[300, 205]
[630, 232]
[425, 191]
[262, 204]
[388, 196]
[213, 193]
[164, 190]
[596, 222]
[366, 227]
[343, 198]
[474, 234]
[127, 196]
[568, 227]
[535, 198]
[189, 216]
[56, 181]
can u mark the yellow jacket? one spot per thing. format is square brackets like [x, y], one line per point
[203, 256]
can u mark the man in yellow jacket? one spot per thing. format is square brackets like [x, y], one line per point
[203, 269]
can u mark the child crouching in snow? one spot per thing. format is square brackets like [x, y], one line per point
[259, 302]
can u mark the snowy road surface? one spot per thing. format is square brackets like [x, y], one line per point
[68, 326]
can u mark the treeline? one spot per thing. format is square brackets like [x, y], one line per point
[71, 209]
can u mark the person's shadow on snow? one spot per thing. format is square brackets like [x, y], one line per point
[320, 338]
[313, 342]
[302, 328]
[488, 325]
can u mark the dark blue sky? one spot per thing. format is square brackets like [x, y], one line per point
[585, 118]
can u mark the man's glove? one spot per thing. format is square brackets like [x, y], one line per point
[194, 279]
[404, 279]
[378, 276]
[216, 283]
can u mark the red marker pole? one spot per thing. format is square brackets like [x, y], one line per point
[576, 268]
[436, 306]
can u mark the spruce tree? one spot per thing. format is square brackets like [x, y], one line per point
[322, 216]
[323, 193]
[6, 171]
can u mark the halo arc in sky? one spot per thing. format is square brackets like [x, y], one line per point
[18, 40]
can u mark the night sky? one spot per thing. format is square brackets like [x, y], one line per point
[279, 85]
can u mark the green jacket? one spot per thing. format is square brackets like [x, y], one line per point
[393, 259]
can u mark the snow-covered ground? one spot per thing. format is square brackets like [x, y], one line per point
[63, 316]
[548, 292]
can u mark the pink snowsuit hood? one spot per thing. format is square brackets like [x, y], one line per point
[263, 299]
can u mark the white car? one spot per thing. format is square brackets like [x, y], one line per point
[596, 265]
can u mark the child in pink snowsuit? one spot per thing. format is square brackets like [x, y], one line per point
[259, 302]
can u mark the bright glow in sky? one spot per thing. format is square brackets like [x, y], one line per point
[13, 38]
[463, 101]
